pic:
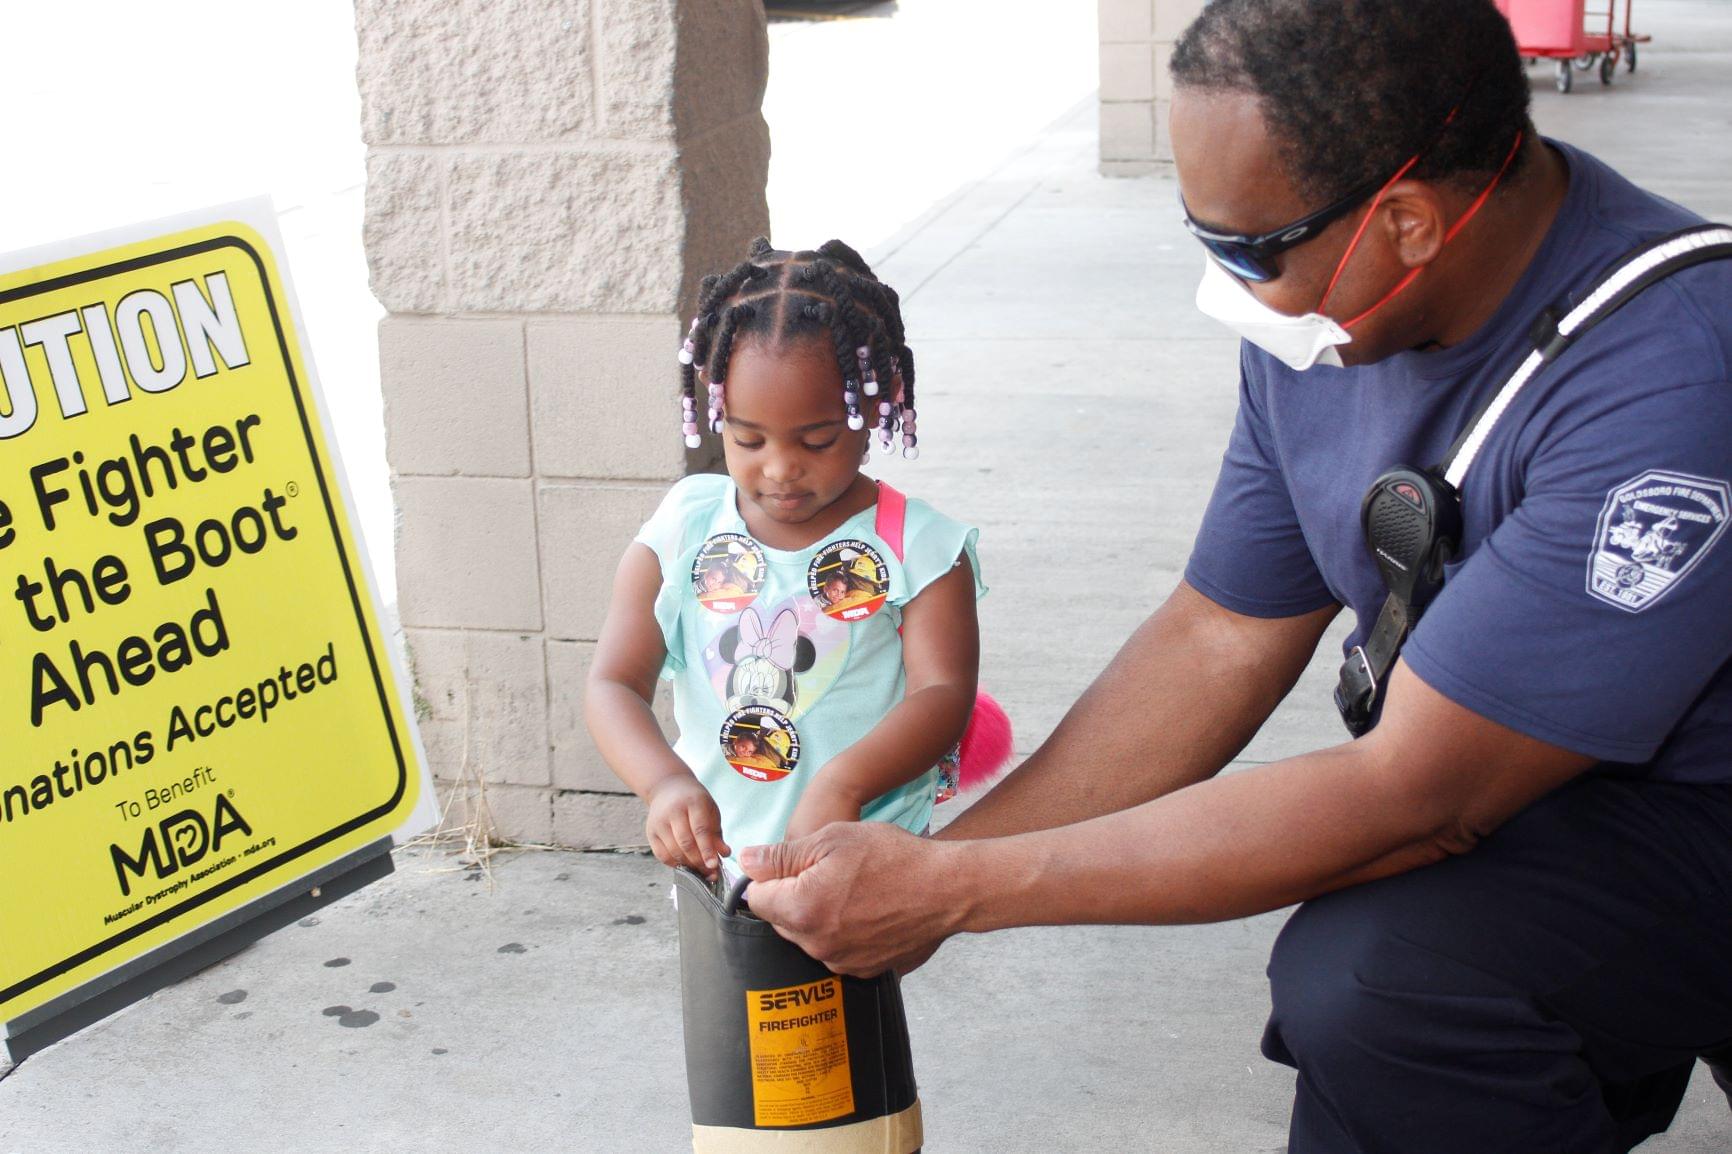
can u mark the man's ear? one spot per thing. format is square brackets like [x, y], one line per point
[1416, 220]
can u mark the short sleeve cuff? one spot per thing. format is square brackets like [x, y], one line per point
[1255, 606]
[1468, 695]
[932, 554]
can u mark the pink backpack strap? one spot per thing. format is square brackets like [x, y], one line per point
[892, 516]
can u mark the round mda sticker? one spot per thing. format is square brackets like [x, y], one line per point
[728, 573]
[760, 743]
[848, 580]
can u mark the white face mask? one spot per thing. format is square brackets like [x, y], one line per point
[1298, 342]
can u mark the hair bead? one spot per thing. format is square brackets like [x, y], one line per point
[690, 347]
[868, 374]
[715, 412]
[851, 401]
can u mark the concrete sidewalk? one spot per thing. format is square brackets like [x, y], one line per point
[1074, 405]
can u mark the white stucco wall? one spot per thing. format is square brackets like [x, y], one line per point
[546, 182]
[1136, 41]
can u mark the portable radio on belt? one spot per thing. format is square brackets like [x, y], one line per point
[1412, 524]
[1412, 517]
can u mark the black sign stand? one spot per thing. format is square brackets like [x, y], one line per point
[185, 956]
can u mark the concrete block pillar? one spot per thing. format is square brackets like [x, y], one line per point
[1136, 42]
[547, 180]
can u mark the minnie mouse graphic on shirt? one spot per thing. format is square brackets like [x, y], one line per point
[765, 660]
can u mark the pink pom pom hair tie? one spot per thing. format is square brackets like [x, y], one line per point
[987, 744]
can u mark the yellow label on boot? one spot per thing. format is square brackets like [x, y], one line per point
[800, 1072]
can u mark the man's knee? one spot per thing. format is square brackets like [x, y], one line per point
[1350, 989]
[1314, 986]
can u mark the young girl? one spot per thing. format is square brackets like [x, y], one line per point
[801, 699]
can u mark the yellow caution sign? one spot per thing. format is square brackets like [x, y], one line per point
[197, 703]
[799, 1044]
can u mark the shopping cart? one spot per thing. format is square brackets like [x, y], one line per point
[1577, 36]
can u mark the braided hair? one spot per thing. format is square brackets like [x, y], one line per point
[828, 292]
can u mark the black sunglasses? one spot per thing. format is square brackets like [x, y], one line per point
[1251, 257]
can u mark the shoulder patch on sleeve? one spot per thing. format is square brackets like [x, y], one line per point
[1652, 532]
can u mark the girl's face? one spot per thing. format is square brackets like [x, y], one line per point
[835, 589]
[714, 578]
[745, 745]
[788, 445]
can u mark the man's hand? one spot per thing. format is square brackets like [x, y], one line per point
[819, 807]
[684, 826]
[861, 898]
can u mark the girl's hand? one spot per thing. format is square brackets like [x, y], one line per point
[684, 826]
[818, 808]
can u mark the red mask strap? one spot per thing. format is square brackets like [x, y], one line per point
[1479, 203]
[1341, 265]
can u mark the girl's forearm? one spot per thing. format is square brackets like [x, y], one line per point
[905, 744]
[629, 737]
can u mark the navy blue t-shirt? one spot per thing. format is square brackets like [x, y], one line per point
[1592, 606]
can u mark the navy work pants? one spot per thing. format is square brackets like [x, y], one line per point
[1546, 993]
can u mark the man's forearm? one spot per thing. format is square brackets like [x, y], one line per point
[1430, 781]
[1184, 695]
[1239, 845]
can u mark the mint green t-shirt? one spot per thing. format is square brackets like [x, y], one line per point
[781, 660]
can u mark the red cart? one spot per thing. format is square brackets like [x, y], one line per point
[1573, 34]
